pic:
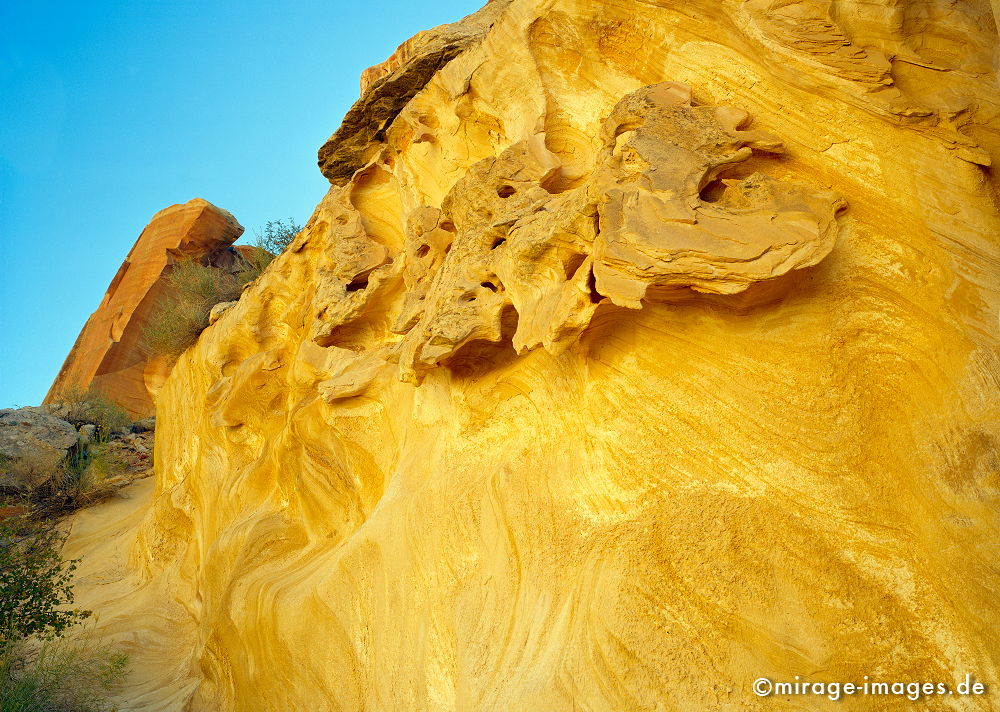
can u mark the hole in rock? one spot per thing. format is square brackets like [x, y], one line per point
[505, 191]
[713, 191]
[447, 226]
[595, 296]
[423, 250]
[573, 264]
[354, 337]
[497, 242]
[468, 297]
[489, 285]
[478, 357]
[358, 283]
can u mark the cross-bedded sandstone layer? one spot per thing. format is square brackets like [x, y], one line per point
[643, 349]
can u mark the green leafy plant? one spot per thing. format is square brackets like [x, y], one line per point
[35, 583]
[277, 236]
[40, 672]
[269, 243]
[93, 406]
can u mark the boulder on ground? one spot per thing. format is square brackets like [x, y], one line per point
[145, 425]
[25, 430]
[32, 444]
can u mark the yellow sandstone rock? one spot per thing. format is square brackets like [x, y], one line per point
[637, 351]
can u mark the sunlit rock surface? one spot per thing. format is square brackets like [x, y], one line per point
[646, 349]
[108, 354]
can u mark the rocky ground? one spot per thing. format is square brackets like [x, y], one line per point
[49, 455]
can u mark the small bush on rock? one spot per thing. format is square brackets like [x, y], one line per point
[196, 289]
[277, 236]
[92, 406]
[269, 243]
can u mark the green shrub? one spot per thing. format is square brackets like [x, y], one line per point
[195, 288]
[35, 583]
[277, 236]
[92, 406]
[59, 676]
[81, 479]
[269, 243]
[40, 672]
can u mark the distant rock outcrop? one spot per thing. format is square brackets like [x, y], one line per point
[107, 354]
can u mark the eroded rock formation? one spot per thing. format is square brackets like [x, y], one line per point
[581, 388]
[108, 354]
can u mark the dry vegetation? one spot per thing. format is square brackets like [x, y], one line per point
[60, 676]
[86, 476]
[92, 406]
[196, 288]
[90, 470]
[277, 236]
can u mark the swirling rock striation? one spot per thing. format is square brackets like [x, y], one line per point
[643, 349]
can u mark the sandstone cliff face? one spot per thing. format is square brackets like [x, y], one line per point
[107, 354]
[640, 350]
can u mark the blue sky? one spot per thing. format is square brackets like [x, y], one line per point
[111, 111]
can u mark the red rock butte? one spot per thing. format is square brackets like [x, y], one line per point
[107, 354]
